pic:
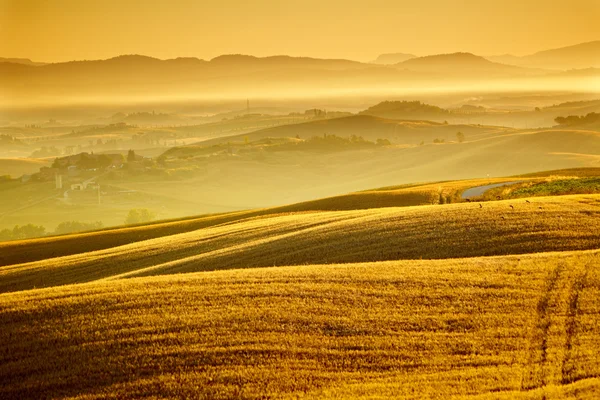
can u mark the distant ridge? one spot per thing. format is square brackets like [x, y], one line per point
[579, 56]
[583, 55]
[23, 61]
[449, 59]
[465, 64]
[392, 58]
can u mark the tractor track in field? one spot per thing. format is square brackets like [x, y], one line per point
[568, 366]
[549, 361]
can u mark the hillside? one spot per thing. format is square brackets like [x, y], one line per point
[393, 196]
[406, 110]
[464, 64]
[200, 179]
[584, 55]
[384, 299]
[371, 126]
[578, 56]
[508, 326]
[278, 239]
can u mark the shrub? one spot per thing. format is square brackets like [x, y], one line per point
[139, 215]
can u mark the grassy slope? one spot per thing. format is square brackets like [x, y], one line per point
[370, 128]
[430, 232]
[300, 176]
[268, 179]
[393, 196]
[520, 327]
[408, 195]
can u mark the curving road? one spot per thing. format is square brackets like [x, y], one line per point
[479, 190]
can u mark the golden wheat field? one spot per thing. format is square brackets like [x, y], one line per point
[399, 196]
[430, 232]
[498, 327]
[328, 299]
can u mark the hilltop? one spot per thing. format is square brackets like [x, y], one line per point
[464, 64]
[392, 58]
[584, 55]
[406, 110]
[24, 61]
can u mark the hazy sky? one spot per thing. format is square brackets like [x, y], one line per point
[59, 30]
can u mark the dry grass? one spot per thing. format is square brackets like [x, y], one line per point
[430, 232]
[504, 327]
[58, 246]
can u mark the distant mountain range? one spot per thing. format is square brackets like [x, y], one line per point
[24, 61]
[465, 64]
[579, 56]
[584, 55]
[237, 75]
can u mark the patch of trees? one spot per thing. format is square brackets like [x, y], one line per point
[77, 226]
[50, 151]
[403, 109]
[131, 156]
[7, 140]
[334, 142]
[572, 120]
[87, 161]
[22, 232]
[31, 231]
[139, 215]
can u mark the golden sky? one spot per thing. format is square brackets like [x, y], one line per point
[60, 30]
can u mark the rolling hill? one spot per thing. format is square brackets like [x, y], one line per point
[200, 179]
[406, 110]
[373, 123]
[514, 326]
[464, 64]
[580, 56]
[395, 196]
[508, 326]
[283, 237]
